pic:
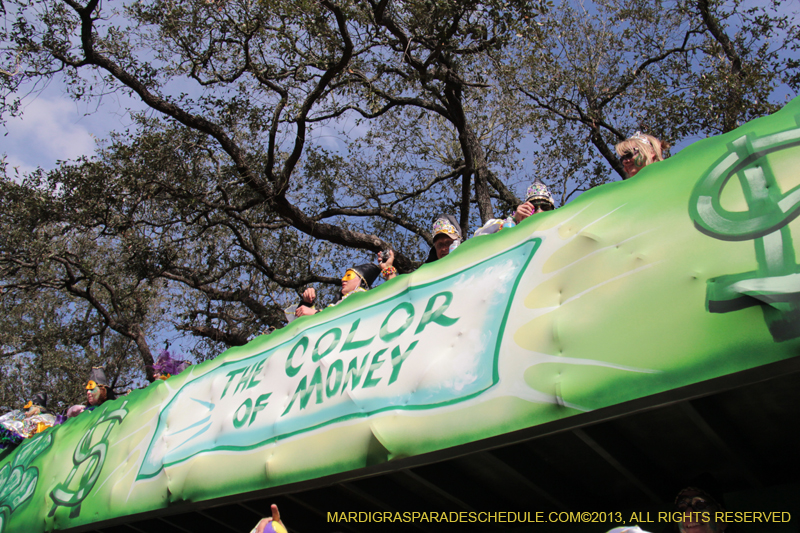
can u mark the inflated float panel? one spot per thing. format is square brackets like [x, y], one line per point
[685, 273]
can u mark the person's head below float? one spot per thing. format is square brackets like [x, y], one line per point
[446, 232]
[356, 279]
[638, 151]
[699, 510]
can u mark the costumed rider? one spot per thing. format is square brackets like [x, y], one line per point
[356, 279]
[166, 367]
[537, 200]
[20, 424]
[447, 237]
[98, 391]
[638, 151]
[36, 405]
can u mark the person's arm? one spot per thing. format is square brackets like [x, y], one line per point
[387, 270]
[309, 296]
[306, 307]
[75, 410]
[523, 211]
[267, 525]
[305, 311]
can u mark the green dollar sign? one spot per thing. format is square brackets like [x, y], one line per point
[18, 479]
[94, 456]
[775, 284]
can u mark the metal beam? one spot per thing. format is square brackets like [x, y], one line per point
[415, 479]
[697, 419]
[611, 460]
[173, 525]
[220, 522]
[510, 472]
[131, 526]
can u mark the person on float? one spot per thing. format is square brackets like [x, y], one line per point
[447, 237]
[166, 367]
[638, 151]
[386, 262]
[355, 280]
[537, 200]
[98, 391]
[37, 405]
[699, 510]
[20, 424]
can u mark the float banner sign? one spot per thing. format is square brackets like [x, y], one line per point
[685, 273]
[371, 360]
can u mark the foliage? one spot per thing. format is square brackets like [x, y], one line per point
[594, 74]
[286, 140]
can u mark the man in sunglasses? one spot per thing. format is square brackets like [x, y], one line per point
[699, 510]
[537, 200]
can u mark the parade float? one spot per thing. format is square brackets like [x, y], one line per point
[676, 284]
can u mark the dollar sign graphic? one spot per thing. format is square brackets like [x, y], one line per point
[775, 284]
[95, 454]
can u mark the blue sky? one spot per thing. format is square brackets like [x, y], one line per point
[53, 127]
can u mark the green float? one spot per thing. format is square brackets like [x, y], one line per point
[685, 273]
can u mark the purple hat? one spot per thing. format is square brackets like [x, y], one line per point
[167, 366]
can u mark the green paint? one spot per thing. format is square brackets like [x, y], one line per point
[231, 375]
[388, 336]
[353, 375]
[261, 403]
[299, 392]
[244, 378]
[253, 381]
[775, 284]
[238, 421]
[398, 358]
[337, 366]
[337, 335]
[292, 371]
[18, 479]
[92, 454]
[436, 316]
[350, 344]
[316, 385]
[377, 362]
